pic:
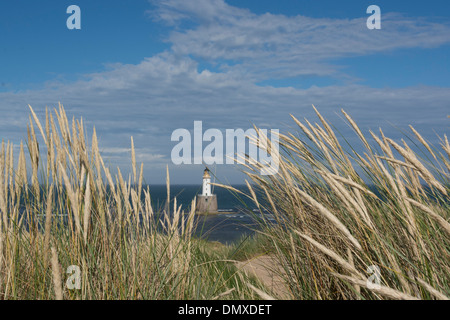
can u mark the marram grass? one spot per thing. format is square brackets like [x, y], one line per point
[71, 210]
[342, 214]
[334, 226]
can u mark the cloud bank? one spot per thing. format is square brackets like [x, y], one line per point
[219, 55]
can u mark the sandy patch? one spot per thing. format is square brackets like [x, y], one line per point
[267, 270]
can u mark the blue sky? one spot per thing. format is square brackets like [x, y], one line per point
[145, 68]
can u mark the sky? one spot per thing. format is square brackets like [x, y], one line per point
[146, 68]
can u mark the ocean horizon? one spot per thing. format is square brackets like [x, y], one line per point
[236, 218]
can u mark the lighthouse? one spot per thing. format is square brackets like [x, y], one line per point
[206, 183]
[206, 202]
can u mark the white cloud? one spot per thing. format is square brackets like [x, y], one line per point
[272, 45]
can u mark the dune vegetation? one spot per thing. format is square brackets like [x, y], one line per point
[351, 225]
[72, 229]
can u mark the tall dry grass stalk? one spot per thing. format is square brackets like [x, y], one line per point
[340, 211]
[56, 273]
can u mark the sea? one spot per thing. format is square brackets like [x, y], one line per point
[237, 218]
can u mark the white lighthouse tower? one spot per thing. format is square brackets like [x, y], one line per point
[206, 202]
[206, 183]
